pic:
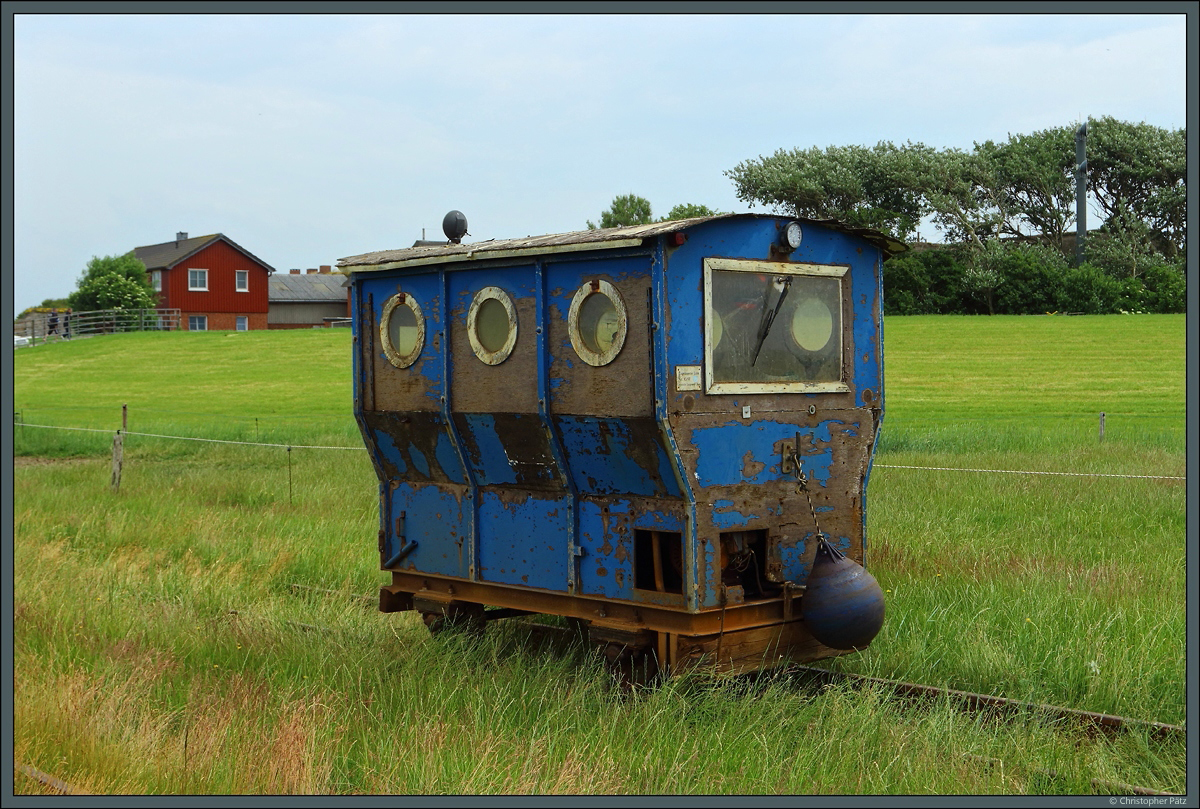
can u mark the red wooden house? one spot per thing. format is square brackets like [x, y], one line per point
[215, 283]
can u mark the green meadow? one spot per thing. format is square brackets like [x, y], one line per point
[160, 647]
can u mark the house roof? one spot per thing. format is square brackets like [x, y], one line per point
[166, 255]
[602, 238]
[311, 288]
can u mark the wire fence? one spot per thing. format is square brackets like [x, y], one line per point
[292, 446]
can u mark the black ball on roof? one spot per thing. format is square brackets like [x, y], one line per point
[454, 225]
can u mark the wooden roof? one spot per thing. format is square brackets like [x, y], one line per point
[602, 238]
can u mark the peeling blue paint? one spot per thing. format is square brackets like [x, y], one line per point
[389, 450]
[616, 456]
[434, 519]
[523, 543]
[418, 460]
[447, 458]
[732, 520]
[792, 559]
[487, 457]
[722, 451]
[572, 488]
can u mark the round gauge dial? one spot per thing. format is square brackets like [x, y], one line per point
[791, 236]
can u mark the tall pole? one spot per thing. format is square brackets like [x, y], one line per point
[1080, 191]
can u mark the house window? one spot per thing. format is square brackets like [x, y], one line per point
[156, 280]
[242, 280]
[198, 280]
[242, 324]
[197, 322]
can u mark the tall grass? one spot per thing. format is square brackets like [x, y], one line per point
[159, 647]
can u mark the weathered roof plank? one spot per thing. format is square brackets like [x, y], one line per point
[602, 238]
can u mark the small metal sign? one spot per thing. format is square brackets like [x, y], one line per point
[687, 377]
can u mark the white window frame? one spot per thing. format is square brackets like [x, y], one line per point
[202, 320]
[192, 287]
[241, 280]
[156, 280]
[771, 268]
[241, 323]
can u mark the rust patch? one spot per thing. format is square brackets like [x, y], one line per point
[750, 467]
[620, 388]
[413, 434]
[506, 387]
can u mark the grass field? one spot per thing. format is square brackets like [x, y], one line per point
[159, 646]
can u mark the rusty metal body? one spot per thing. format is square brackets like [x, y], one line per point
[577, 425]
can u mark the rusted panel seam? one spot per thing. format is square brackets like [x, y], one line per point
[452, 429]
[658, 342]
[541, 331]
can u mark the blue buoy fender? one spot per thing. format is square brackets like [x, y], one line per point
[842, 604]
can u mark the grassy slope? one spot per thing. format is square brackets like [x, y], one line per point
[1049, 371]
[270, 386]
[128, 655]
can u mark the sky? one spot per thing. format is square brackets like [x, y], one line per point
[306, 138]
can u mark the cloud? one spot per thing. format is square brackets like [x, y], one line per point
[306, 138]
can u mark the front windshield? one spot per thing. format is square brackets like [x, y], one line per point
[775, 328]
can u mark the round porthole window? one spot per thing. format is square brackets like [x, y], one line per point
[492, 325]
[812, 324]
[402, 330]
[597, 323]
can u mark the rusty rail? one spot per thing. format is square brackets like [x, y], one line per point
[48, 780]
[973, 701]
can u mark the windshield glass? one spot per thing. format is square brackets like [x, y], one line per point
[776, 327]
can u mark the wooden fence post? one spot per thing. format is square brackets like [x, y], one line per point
[118, 460]
[1101, 426]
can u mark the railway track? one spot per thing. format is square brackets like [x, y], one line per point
[981, 702]
[1088, 721]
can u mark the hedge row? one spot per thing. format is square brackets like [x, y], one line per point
[1022, 279]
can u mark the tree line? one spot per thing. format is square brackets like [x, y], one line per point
[1003, 210]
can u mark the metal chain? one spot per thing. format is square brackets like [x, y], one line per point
[802, 486]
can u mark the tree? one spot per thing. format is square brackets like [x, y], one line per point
[958, 189]
[687, 210]
[627, 209]
[113, 282]
[1034, 177]
[1139, 169]
[1024, 186]
[1126, 247]
[866, 187]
